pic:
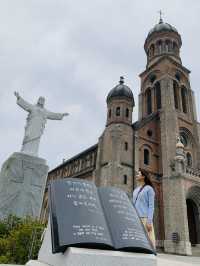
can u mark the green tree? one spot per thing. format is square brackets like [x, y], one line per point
[20, 239]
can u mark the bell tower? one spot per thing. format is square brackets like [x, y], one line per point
[166, 110]
[114, 166]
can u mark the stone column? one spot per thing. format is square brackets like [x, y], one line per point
[174, 204]
[193, 105]
[136, 155]
[176, 221]
[196, 126]
[169, 125]
[141, 109]
[175, 214]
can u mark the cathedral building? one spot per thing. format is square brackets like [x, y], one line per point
[165, 141]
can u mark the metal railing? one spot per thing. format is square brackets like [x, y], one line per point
[193, 171]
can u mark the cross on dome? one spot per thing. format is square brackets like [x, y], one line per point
[161, 13]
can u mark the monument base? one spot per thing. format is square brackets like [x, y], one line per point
[181, 248]
[22, 184]
[94, 257]
[90, 257]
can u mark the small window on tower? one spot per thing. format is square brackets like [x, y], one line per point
[110, 112]
[146, 156]
[175, 47]
[152, 78]
[160, 47]
[125, 179]
[158, 96]
[167, 46]
[152, 50]
[118, 111]
[148, 101]
[178, 77]
[176, 95]
[126, 146]
[149, 132]
[184, 99]
[127, 112]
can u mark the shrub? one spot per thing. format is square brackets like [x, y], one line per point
[20, 239]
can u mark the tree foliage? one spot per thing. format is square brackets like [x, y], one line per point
[20, 239]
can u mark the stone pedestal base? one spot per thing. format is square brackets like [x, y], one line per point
[22, 184]
[181, 248]
[94, 257]
[88, 257]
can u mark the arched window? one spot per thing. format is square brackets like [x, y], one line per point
[146, 156]
[177, 76]
[167, 46]
[175, 48]
[184, 139]
[152, 78]
[126, 146]
[189, 159]
[148, 101]
[109, 113]
[158, 96]
[125, 179]
[127, 112]
[176, 96]
[160, 47]
[184, 99]
[118, 111]
[152, 50]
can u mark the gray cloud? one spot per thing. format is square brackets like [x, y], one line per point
[73, 52]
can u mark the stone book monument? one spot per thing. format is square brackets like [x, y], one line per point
[82, 214]
[23, 175]
[93, 226]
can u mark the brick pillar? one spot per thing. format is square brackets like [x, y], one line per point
[174, 204]
[175, 215]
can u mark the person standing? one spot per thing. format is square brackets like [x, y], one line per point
[143, 199]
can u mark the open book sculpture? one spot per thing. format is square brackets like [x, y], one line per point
[83, 215]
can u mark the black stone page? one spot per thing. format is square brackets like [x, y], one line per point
[126, 229]
[77, 218]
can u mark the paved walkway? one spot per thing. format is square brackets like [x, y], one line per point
[173, 260]
[165, 260]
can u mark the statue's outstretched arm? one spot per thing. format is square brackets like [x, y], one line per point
[22, 103]
[56, 116]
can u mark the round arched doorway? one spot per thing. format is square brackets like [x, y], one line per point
[192, 223]
[193, 214]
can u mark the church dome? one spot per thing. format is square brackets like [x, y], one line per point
[121, 90]
[162, 27]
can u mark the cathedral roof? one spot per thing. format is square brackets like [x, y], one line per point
[162, 27]
[121, 90]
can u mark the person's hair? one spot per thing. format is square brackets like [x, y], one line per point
[147, 179]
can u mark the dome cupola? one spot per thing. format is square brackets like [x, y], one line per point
[120, 103]
[121, 91]
[161, 27]
[162, 39]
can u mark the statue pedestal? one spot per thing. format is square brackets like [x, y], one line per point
[22, 184]
[91, 257]
[96, 257]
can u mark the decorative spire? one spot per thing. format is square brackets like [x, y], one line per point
[161, 13]
[121, 80]
[179, 144]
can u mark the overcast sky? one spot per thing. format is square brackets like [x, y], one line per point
[73, 52]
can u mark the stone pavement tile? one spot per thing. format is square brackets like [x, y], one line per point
[173, 260]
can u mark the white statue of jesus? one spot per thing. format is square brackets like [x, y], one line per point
[35, 124]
